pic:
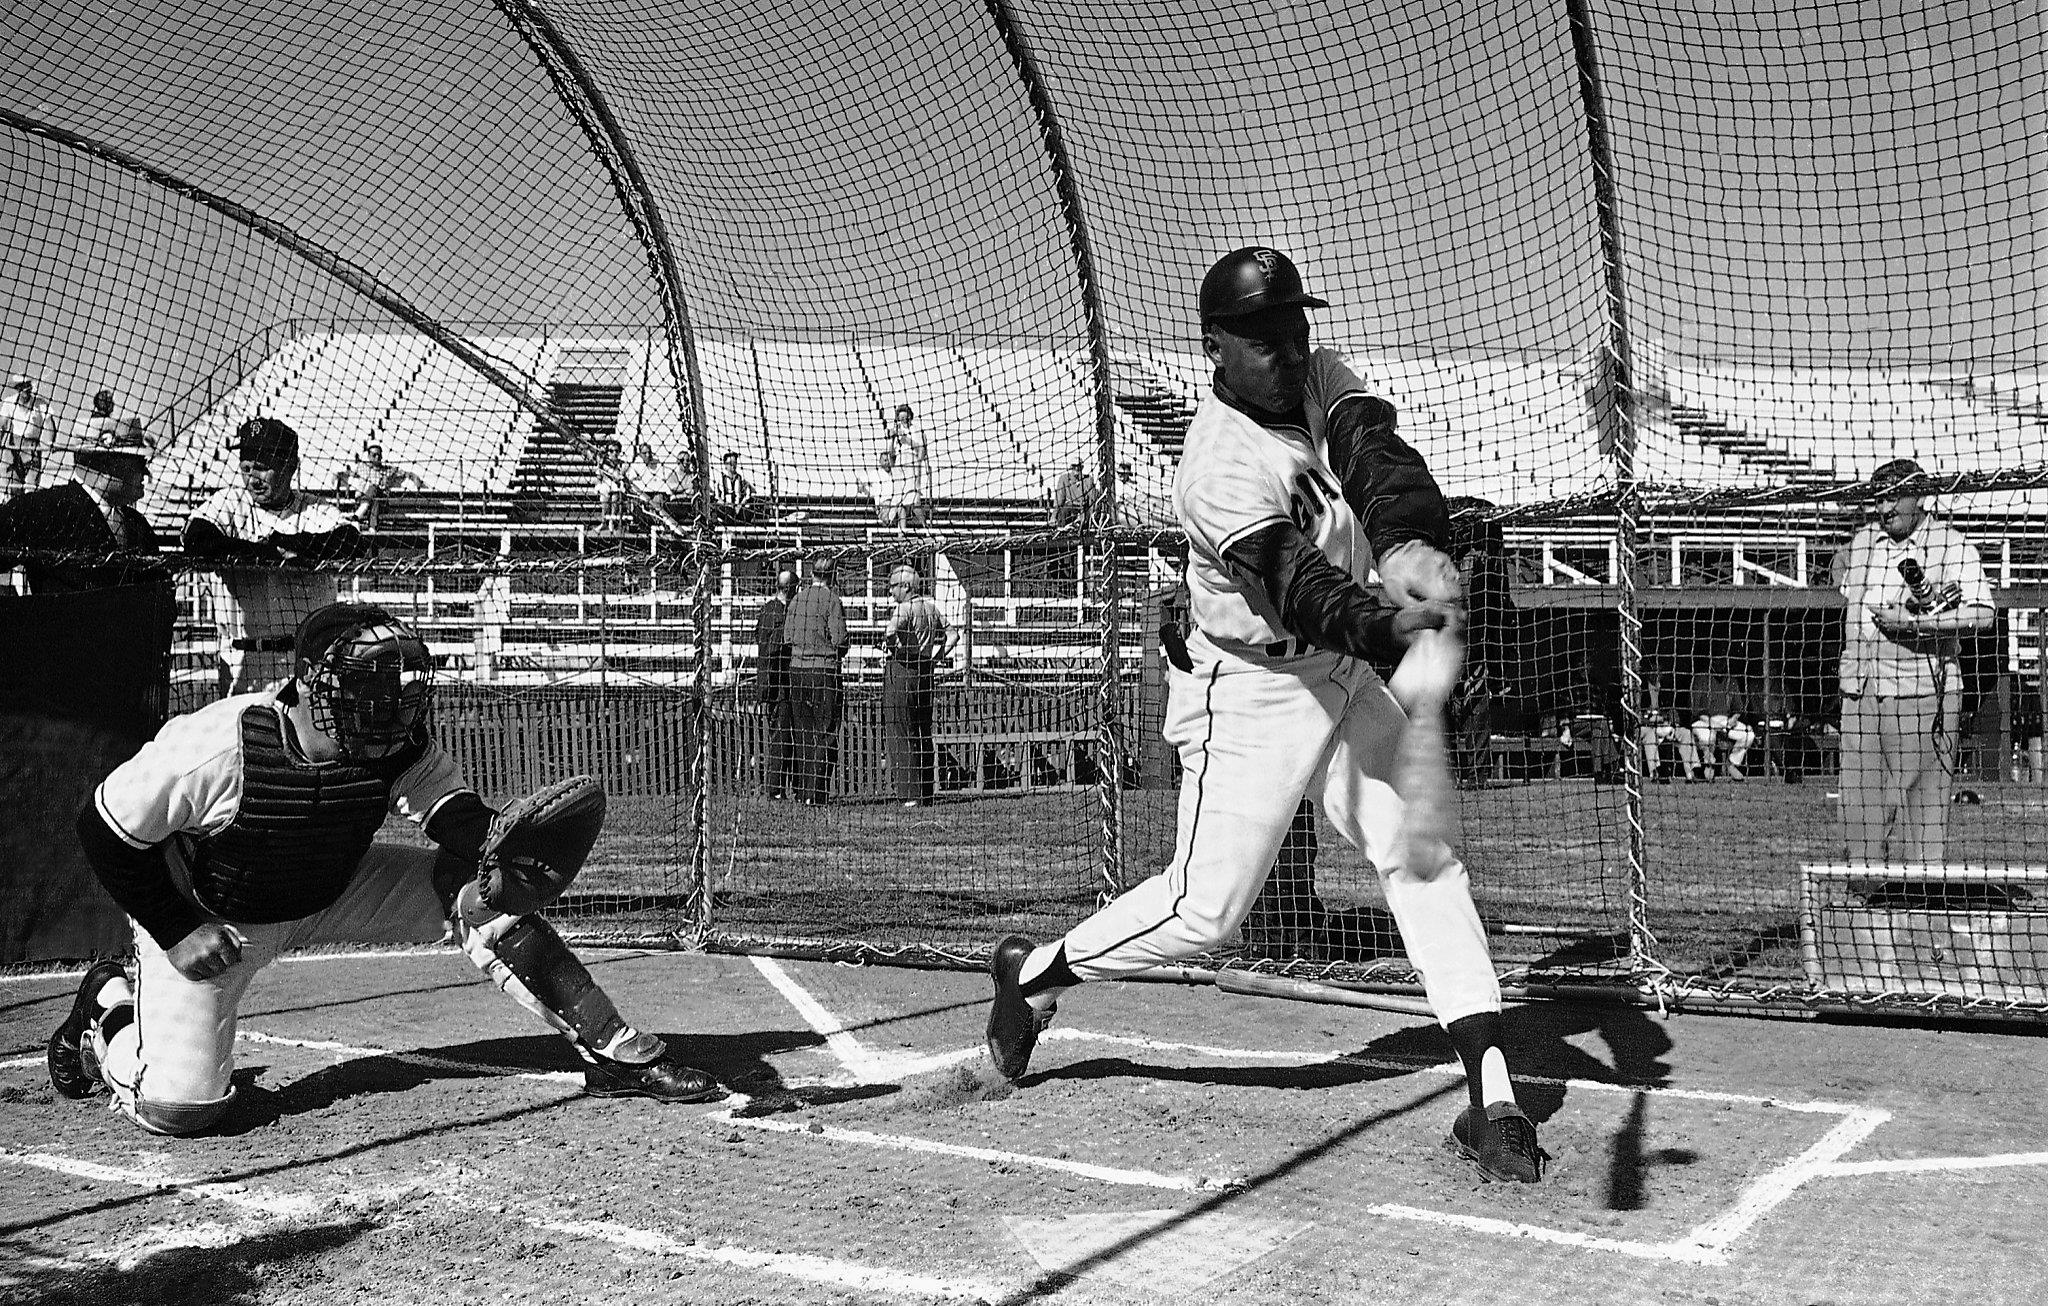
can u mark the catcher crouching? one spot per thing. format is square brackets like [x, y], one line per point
[247, 828]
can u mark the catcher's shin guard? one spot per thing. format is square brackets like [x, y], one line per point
[526, 959]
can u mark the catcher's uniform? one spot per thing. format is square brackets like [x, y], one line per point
[259, 607]
[252, 834]
[1261, 718]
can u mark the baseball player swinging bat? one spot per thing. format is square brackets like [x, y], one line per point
[1294, 483]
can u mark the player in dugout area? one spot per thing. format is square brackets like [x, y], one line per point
[1292, 488]
[247, 828]
[266, 535]
[1915, 586]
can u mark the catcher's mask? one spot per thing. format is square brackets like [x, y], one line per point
[369, 679]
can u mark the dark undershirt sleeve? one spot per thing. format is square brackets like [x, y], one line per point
[461, 823]
[1316, 600]
[138, 880]
[1385, 480]
[203, 539]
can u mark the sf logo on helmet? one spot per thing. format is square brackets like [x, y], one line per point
[371, 690]
[1267, 259]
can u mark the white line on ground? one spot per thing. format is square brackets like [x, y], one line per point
[900, 1142]
[1773, 1188]
[793, 1265]
[1537, 1233]
[1931, 1164]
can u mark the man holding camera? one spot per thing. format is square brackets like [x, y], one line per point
[1914, 587]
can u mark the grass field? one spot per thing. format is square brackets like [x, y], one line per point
[1722, 884]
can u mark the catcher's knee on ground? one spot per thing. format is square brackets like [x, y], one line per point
[122, 1070]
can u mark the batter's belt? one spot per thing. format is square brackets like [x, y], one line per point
[1280, 648]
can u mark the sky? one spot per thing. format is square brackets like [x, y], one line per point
[1802, 181]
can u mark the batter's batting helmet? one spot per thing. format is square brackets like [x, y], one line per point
[1247, 280]
[369, 678]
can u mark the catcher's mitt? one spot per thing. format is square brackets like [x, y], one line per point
[538, 844]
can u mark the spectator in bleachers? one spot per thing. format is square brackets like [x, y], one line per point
[1073, 497]
[1720, 703]
[917, 640]
[369, 479]
[93, 514]
[97, 425]
[738, 504]
[907, 457]
[25, 428]
[266, 534]
[815, 630]
[645, 475]
[879, 484]
[771, 685]
[1915, 586]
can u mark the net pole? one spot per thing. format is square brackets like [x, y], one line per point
[580, 94]
[1109, 694]
[1614, 404]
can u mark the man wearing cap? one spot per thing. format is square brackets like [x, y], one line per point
[815, 630]
[267, 535]
[25, 427]
[916, 640]
[1292, 489]
[1914, 587]
[92, 516]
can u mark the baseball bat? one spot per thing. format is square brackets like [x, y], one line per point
[1298, 990]
[1422, 684]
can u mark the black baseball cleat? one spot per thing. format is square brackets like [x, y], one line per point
[74, 1071]
[1502, 1143]
[662, 1079]
[1013, 1024]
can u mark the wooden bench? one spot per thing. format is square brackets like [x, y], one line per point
[1014, 759]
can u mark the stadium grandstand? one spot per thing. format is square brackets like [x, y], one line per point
[808, 420]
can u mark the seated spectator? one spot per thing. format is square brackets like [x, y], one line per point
[1720, 701]
[645, 475]
[1073, 498]
[879, 484]
[1661, 725]
[369, 479]
[737, 503]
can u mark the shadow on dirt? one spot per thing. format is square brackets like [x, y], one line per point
[1539, 1044]
[176, 1276]
[738, 1061]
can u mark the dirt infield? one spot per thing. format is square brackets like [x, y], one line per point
[403, 1135]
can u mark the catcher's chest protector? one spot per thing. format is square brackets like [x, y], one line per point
[299, 832]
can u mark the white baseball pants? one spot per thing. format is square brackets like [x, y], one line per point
[1255, 733]
[170, 1069]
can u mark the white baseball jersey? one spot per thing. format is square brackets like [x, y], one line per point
[263, 602]
[1237, 477]
[188, 780]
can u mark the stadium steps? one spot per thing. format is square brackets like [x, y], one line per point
[556, 472]
[1709, 431]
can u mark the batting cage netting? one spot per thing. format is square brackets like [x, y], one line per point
[590, 321]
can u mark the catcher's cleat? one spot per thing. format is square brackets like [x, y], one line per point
[662, 1079]
[74, 1071]
[1502, 1143]
[1013, 1024]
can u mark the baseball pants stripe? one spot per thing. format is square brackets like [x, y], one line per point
[1254, 736]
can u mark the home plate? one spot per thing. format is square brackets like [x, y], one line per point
[1164, 1252]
